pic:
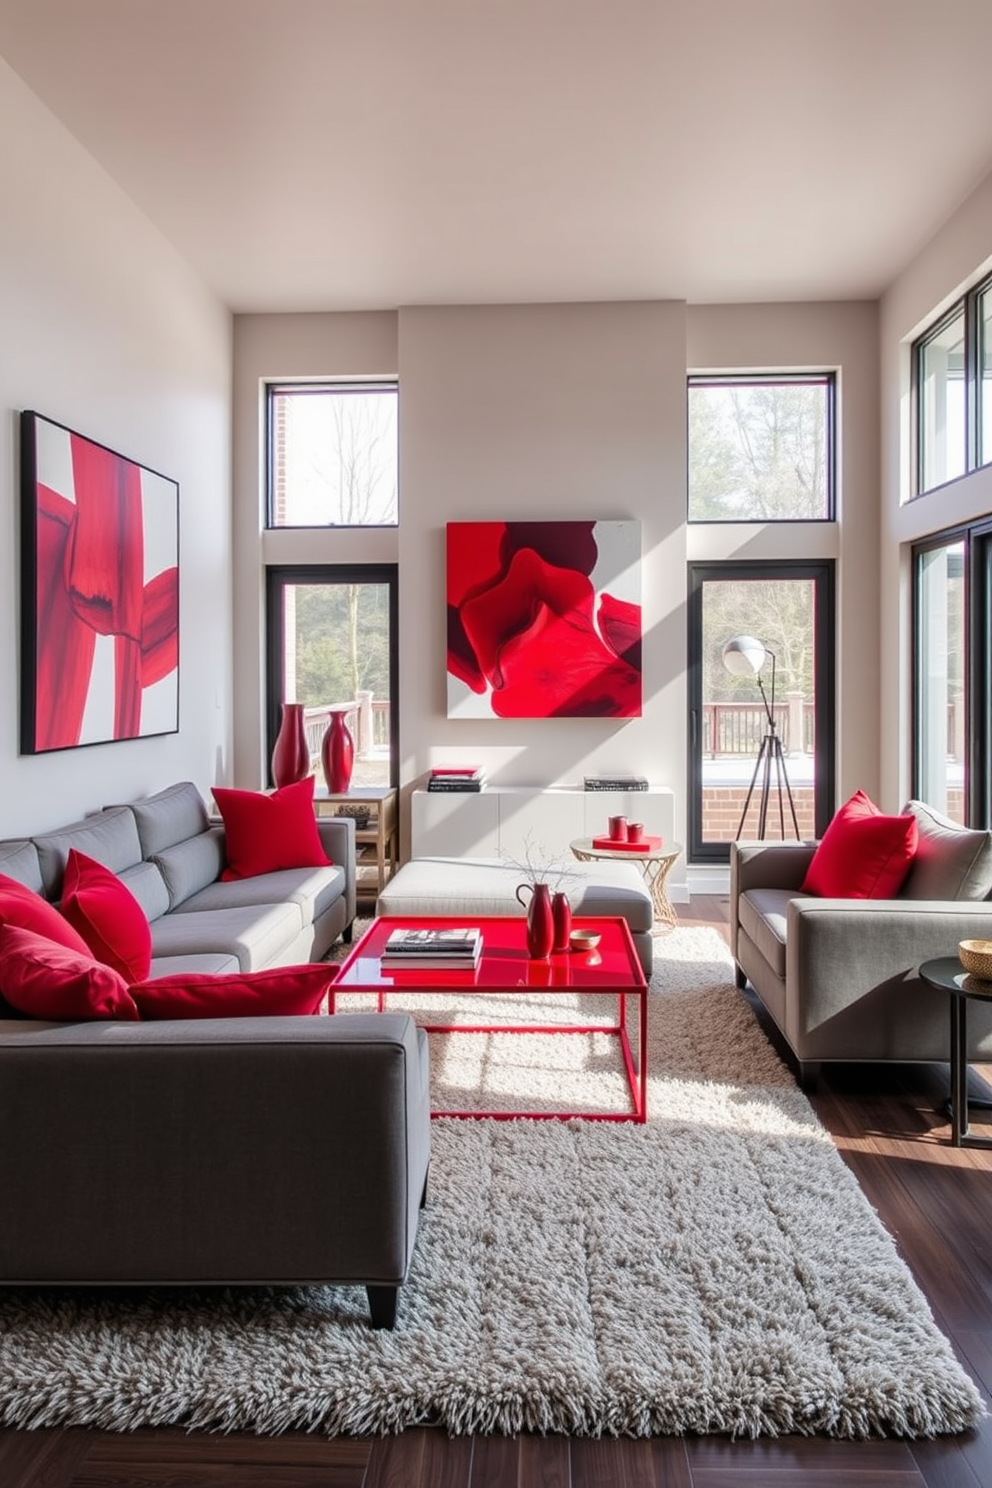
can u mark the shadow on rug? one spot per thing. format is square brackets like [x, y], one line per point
[716, 1270]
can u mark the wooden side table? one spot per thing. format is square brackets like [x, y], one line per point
[376, 844]
[655, 865]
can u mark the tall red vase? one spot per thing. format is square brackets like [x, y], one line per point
[337, 753]
[540, 922]
[561, 918]
[291, 756]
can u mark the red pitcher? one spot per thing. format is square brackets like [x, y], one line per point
[540, 922]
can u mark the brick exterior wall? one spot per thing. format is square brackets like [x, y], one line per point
[722, 807]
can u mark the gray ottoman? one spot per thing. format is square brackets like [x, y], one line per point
[473, 886]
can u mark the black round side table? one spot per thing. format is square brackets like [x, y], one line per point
[947, 974]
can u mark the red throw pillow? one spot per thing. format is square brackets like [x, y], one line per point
[245, 994]
[267, 832]
[863, 854]
[46, 980]
[107, 916]
[22, 907]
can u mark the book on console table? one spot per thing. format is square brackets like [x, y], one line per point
[456, 778]
[616, 783]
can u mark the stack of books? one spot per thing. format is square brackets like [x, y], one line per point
[433, 950]
[456, 778]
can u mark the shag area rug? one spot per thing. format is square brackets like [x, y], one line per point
[717, 1270]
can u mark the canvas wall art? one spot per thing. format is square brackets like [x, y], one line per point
[99, 593]
[544, 619]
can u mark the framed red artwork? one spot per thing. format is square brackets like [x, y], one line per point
[544, 619]
[99, 593]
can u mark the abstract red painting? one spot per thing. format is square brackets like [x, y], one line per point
[544, 619]
[99, 593]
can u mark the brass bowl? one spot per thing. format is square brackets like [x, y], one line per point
[976, 956]
[584, 940]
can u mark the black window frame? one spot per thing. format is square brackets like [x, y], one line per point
[320, 385]
[977, 639]
[822, 572]
[280, 576]
[970, 304]
[754, 379]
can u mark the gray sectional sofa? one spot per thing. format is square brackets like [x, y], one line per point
[839, 976]
[216, 1151]
[170, 855]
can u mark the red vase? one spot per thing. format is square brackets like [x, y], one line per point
[291, 756]
[540, 923]
[561, 918]
[337, 754]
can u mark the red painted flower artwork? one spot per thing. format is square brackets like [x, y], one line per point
[100, 593]
[544, 620]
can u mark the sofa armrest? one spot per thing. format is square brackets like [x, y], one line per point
[840, 950]
[337, 834]
[237, 1150]
[765, 865]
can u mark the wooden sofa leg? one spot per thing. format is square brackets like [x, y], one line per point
[348, 933]
[740, 976]
[382, 1305]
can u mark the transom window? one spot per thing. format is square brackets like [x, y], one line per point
[761, 447]
[333, 454]
[952, 387]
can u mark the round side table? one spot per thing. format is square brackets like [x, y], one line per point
[946, 974]
[655, 865]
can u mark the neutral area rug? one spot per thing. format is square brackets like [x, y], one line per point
[717, 1270]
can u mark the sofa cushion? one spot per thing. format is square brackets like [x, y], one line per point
[46, 980]
[22, 907]
[107, 916]
[256, 934]
[148, 887]
[169, 817]
[109, 836]
[863, 854]
[951, 862]
[764, 915]
[266, 832]
[190, 865]
[270, 993]
[313, 889]
[19, 859]
[213, 962]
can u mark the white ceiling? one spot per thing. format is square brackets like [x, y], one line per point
[352, 154]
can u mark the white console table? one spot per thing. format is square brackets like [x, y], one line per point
[502, 820]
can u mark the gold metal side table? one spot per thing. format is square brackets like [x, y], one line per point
[655, 864]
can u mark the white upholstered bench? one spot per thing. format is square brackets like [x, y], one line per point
[474, 886]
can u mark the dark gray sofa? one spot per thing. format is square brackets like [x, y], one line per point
[839, 976]
[227, 1151]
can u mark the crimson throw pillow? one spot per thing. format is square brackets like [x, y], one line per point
[863, 854]
[245, 994]
[107, 916]
[46, 980]
[22, 907]
[267, 832]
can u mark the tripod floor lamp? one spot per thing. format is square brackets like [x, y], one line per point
[744, 656]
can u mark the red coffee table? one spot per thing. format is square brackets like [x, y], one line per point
[505, 966]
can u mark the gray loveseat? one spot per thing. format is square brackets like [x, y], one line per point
[839, 976]
[227, 1151]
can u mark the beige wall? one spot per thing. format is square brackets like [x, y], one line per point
[954, 259]
[103, 328]
[817, 337]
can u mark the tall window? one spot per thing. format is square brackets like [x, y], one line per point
[333, 454]
[952, 694]
[789, 609]
[952, 391]
[761, 448]
[331, 641]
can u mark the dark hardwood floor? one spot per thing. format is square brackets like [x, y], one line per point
[936, 1201]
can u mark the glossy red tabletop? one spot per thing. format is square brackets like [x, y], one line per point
[504, 963]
